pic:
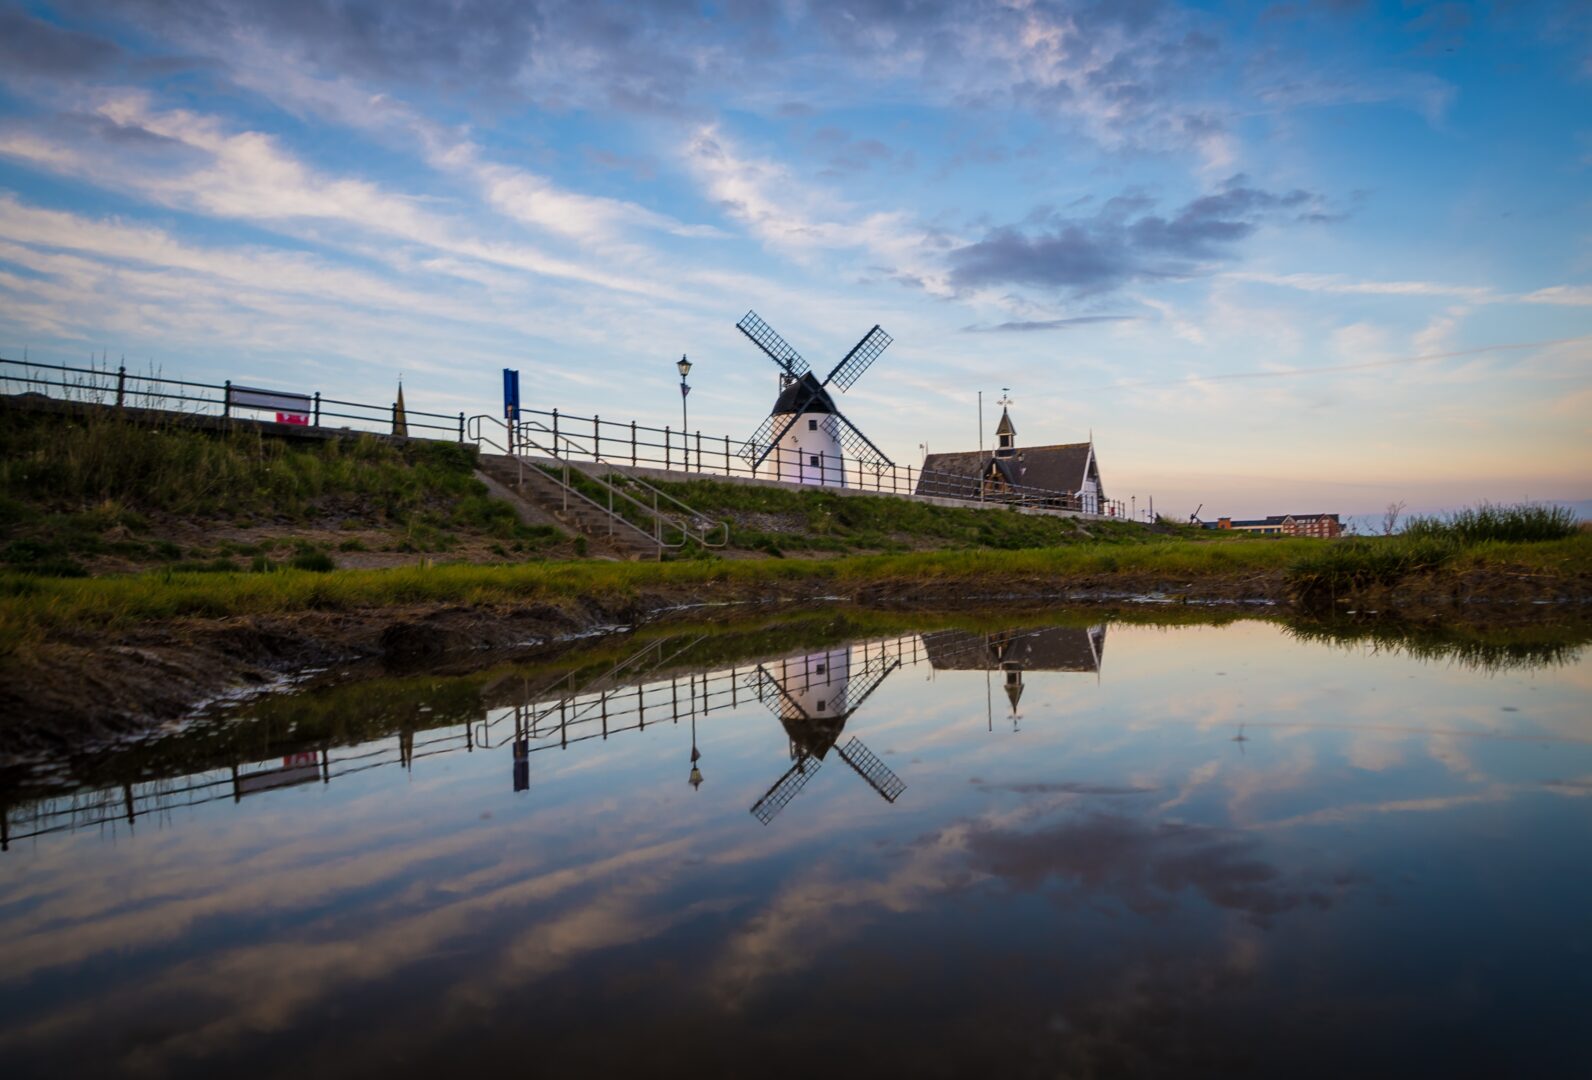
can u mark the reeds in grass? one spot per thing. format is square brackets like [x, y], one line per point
[1520, 522]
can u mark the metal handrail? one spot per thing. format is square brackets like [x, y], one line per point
[705, 527]
[568, 489]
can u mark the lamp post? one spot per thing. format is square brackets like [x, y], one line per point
[683, 366]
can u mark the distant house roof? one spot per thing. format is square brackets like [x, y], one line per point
[1063, 467]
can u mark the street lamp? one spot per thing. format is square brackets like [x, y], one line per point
[683, 366]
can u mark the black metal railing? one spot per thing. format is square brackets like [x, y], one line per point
[117, 386]
[581, 438]
[610, 442]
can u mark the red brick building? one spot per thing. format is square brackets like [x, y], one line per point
[1325, 526]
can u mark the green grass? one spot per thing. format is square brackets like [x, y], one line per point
[100, 486]
[777, 520]
[1474, 525]
[31, 606]
[1535, 538]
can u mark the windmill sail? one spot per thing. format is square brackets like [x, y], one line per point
[854, 443]
[858, 360]
[863, 683]
[756, 449]
[777, 348]
[870, 768]
[786, 788]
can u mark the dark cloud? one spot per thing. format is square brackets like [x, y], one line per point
[1124, 241]
[1033, 325]
[33, 46]
[1145, 866]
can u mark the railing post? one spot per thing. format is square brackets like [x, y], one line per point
[596, 438]
[726, 455]
[121, 385]
[317, 408]
[555, 431]
[226, 398]
[461, 419]
[666, 448]
[632, 442]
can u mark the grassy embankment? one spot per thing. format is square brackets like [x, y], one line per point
[1309, 571]
[98, 494]
[103, 491]
[777, 521]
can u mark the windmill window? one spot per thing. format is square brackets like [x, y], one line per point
[812, 425]
[812, 460]
[819, 669]
[820, 706]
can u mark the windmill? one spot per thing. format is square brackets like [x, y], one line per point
[813, 696]
[807, 435]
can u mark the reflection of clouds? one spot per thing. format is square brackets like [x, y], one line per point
[265, 986]
[1356, 811]
[1197, 778]
[1143, 865]
[1374, 752]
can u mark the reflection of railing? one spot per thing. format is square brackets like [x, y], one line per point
[556, 715]
[158, 798]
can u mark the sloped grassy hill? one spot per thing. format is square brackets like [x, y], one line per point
[99, 494]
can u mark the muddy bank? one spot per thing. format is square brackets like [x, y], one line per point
[85, 685]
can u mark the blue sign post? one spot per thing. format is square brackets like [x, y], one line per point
[511, 402]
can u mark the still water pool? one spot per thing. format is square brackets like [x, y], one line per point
[1087, 849]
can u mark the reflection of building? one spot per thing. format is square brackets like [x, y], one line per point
[1014, 652]
[814, 696]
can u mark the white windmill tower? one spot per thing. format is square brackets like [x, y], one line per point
[805, 433]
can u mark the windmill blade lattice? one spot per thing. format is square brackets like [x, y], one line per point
[870, 768]
[853, 443]
[777, 348]
[769, 691]
[862, 683]
[787, 788]
[858, 360]
[756, 449]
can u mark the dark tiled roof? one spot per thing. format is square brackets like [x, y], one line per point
[803, 389]
[1056, 648]
[1052, 468]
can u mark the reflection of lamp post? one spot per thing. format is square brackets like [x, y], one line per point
[696, 755]
[683, 366]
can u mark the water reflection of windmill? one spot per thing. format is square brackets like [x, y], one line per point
[813, 696]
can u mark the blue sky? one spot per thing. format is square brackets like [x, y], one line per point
[1285, 257]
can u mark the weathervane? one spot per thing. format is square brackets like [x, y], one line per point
[1006, 399]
